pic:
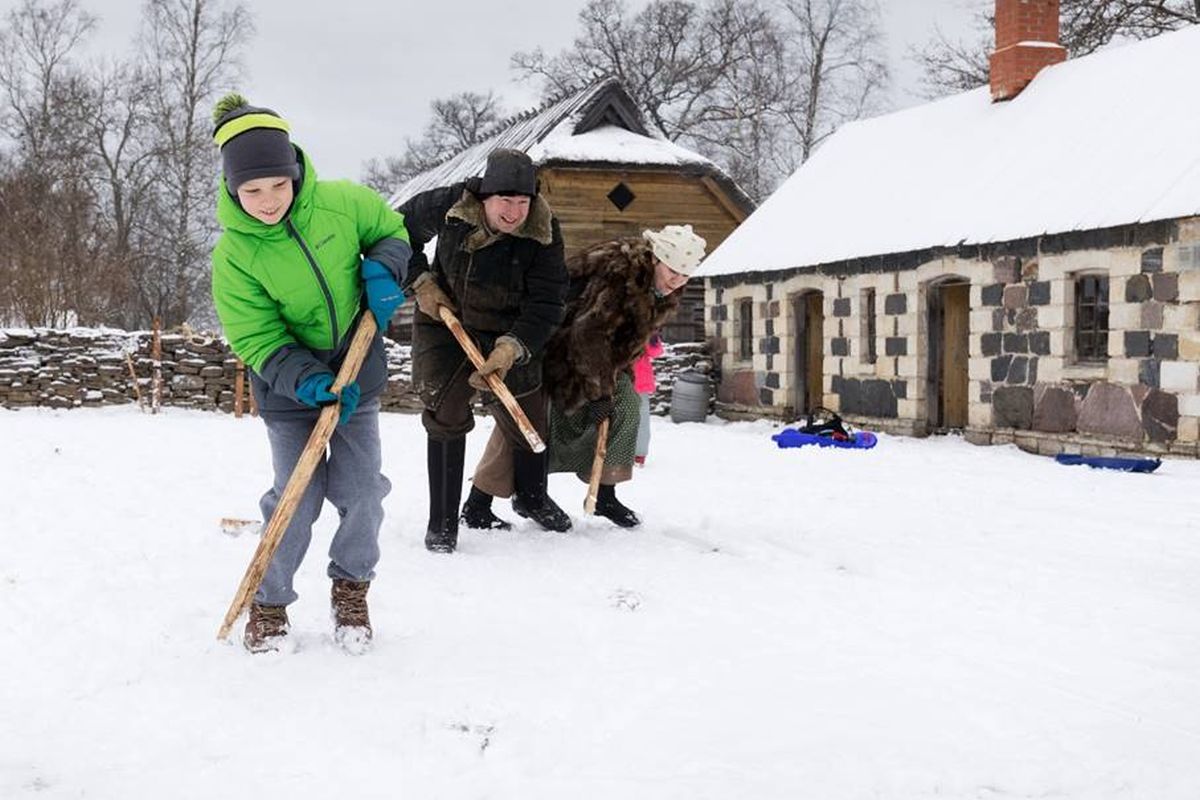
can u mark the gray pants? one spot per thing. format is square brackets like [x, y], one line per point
[349, 477]
[643, 437]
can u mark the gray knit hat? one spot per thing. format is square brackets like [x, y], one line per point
[254, 142]
[508, 172]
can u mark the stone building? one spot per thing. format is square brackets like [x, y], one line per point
[1020, 262]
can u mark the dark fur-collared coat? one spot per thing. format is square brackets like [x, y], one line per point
[612, 309]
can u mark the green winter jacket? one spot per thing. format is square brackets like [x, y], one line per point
[288, 294]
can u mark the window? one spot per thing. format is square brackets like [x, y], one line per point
[1091, 318]
[621, 196]
[745, 329]
[866, 313]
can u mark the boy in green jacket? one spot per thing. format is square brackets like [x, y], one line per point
[290, 273]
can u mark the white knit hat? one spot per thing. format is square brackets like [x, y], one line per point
[678, 247]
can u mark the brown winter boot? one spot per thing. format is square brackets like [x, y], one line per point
[351, 620]
[266, 628]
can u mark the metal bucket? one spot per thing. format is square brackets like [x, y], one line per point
[689, 397]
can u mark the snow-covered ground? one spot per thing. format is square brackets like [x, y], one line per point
[925, 620]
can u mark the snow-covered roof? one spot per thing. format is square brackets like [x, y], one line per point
[597, 125]
[1109, 139]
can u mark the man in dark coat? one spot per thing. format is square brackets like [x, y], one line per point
[499, 266]
[621, 291]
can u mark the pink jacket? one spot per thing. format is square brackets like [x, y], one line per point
[643, 368]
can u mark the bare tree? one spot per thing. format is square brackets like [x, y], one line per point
[458, 121]
[190, 54]
[754, 84]
[950, 65]
[48, 215]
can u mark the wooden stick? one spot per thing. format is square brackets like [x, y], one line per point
[156, 368]
[239, 381]
[589, 505]
[495, 384]
[137, 390]
[314, 451]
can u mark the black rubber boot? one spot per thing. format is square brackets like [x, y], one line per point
[477, 513]
[531, 499]
[444, 460]
[607, 505]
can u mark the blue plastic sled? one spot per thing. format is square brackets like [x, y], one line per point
[788, 437]
[1125, 464]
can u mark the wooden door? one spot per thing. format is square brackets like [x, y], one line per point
[814, 348]
[956, 303]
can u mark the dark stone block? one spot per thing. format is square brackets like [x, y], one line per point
[769, 344]
[770, 291]
[1055, 411]
[770, 327]
[895, 346]
[1109, 410]
[1152, 315]
[836, 383]
[1016, 343]
[1166, 287]
[1000, 368]
[1149, 370]
[1137, 344]
[1152, 260]
[1031, 378]
[989, 344]
[1039, 293]
[1137, 289]
[1006, 269]
[999, 319]
[1018, 371]
[900, 389]
[1016, 296]
[772, 380]
[1012, 407]
[1166, 346]
[1160, 416]
[993, 294]
[841, 307]
[839, 346]
[872, 398]
[1027, 319]
[895, 304]
[1039, 343]
[766, 397]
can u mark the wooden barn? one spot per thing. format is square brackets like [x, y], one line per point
[607, 173]
[1020, 262]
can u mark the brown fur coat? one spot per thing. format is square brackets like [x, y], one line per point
[611, 311]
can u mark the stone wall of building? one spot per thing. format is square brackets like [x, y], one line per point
[1025, 384]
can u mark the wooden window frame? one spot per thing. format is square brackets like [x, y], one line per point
[745, 309]
[1090, 328]
[868, 325]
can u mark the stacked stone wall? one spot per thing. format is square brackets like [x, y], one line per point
[88, 367]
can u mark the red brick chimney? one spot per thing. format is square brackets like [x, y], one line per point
[1026, 41]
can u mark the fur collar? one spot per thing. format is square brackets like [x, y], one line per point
[469, 209]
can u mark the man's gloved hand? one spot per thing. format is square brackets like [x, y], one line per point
[384, 295]
[598, 409]
[430, 296]
[314, 392]
[504, 354]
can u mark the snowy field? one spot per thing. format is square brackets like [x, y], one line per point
[925, 620]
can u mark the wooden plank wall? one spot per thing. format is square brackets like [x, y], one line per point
[579, 197]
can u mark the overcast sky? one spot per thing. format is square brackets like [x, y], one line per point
[355, 77]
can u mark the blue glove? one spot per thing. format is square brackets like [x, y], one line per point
[314, 392]
[384, 295]
[350, 395]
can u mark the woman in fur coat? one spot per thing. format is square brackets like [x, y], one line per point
[620, 292]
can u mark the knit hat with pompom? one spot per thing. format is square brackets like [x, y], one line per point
[254, 142]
